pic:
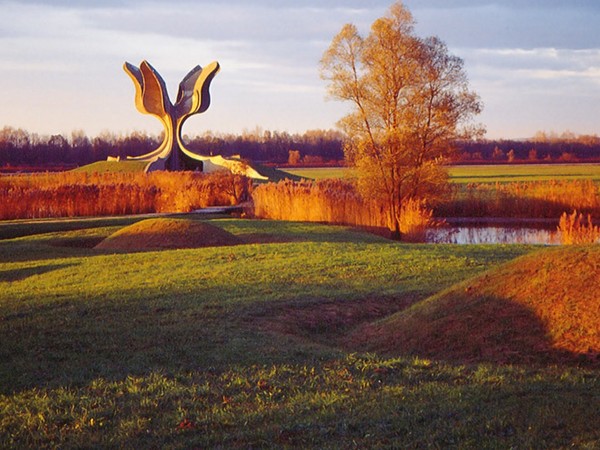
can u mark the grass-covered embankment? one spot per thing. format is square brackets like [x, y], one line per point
[540, 308]
[124, 166]
[245, 346]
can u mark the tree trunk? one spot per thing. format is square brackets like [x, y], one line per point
[395, 214]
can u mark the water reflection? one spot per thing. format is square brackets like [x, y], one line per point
[493, 235]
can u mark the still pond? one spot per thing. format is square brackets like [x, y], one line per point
[495, 232]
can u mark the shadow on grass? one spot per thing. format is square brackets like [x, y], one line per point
[15, 229]
[354, 401]
[24, 273]
[327, 321]
[67, 344]
[82, 242]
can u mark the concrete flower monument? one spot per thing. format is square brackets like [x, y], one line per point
[151, 97]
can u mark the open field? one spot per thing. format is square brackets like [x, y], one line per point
[523, 172]
[254, 345]
[486, 173]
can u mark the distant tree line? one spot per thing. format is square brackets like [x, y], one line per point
[581, 148]
[22, 149]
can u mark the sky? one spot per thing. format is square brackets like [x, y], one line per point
[534, 63]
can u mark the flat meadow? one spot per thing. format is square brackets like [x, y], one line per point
[502, 173]
[484, 173]
[255, 345]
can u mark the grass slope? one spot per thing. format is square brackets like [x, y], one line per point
[181, 349]
[139, 166]
[318, 173]
[113, 166]
[543, 307]
[274, 174]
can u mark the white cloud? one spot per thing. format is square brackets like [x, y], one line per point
[534, 64]
[60, 60]
[525, 90]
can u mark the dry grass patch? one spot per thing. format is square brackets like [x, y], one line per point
[163, 233]
[540, 308]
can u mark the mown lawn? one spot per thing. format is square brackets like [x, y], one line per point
[242, 347]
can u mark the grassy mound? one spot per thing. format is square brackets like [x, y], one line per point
[139, 166]
[275, 175]
[539, 308]
[156, 234]
[113, 166]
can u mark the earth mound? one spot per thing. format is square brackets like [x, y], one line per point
[540, 308]
[163, 233]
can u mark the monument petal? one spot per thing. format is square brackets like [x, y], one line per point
[154, 91]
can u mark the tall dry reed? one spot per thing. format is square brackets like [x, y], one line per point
[70, 194]
[537, 199]
[574, 228]
[337, 201]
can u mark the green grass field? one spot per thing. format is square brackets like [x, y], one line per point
[524, 172]
[486, 173]
[243, 347]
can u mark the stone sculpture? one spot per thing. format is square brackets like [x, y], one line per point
[151, 97]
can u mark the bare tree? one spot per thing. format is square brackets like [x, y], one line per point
[410, 103]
